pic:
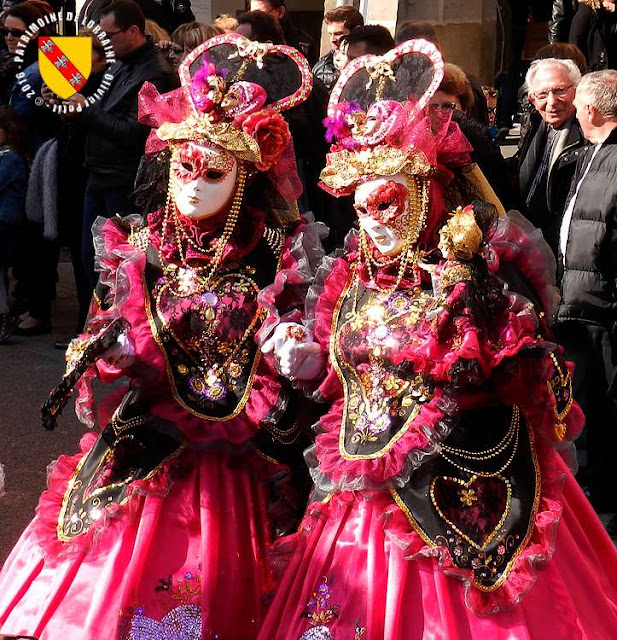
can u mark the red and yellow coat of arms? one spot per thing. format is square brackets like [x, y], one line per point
[65, 63]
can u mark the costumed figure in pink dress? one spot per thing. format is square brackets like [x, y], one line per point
[159, 528]
[444, 507]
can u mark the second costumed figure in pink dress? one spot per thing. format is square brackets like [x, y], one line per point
[444, 507]
[159, 528]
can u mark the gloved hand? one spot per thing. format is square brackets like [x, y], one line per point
[297, 355]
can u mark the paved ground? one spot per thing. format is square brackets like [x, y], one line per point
[29, 368]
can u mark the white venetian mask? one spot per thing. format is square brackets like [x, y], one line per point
[204, 179]
[382, 206]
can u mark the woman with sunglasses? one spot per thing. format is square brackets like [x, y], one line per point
[455, 93]
[184, 39]
[17, 19]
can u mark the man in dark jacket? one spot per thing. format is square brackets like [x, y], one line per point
[339, 22]
[168, 14]
[550, 149]
[561, 20]
[114, 138]
[294, 36]
[594, 32]
[587, 314]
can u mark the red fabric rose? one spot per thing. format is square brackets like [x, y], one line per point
[271, 133]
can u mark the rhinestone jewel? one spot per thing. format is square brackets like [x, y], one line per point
[317, 633]
[181, 623]
[210, 299]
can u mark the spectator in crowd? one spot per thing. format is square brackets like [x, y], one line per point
[561, 20]
[411, 30]
[13, 179]
[512, 20]
[35, 262]
[157, 33]
[225, 22]
[168, 14]
[455, 93]
[587, 314]
[7, 71]
[490, 95]
[370, 38]
[114, 138]
[339, 22]
[594, 32]
[176, 12]
[39, 121]
[294, 36]
[69, 177]
[260, 26]
[548, 154]
[187, 37]
[563, 51]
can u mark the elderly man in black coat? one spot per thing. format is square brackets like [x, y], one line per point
[552, 145]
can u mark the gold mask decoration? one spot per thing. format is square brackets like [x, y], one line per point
[223, 134]
[346, 169]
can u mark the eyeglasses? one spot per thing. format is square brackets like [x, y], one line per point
[16, 33]
[115, 33]
[558, 92]
[492, 110]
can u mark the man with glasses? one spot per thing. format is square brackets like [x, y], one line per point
[552, 145]
[115, 140]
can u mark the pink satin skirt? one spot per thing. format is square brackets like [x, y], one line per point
[359, 572]
[184, 562]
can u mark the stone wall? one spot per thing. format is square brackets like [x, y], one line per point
[466, 29]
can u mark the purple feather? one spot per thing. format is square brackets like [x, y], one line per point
[200, 82]
[336, 126]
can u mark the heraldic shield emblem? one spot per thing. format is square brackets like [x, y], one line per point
[65, 63]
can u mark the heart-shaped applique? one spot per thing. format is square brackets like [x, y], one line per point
[476, 509]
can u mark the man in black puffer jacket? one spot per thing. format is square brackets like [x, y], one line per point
[115, 140]
[587, 314]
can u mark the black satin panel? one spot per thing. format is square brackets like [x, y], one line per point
[381, 397]
[103, 477]
[489, 559]
[208, 335]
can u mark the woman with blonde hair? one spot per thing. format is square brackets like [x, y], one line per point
[189, 36]
[156, 32]
[184, 39]
[225, 22]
